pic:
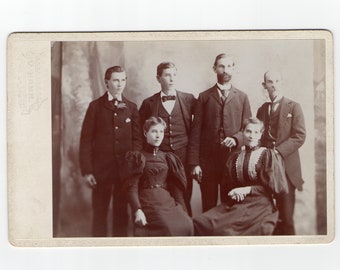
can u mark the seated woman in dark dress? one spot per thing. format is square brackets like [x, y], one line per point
[155, 183]
[253, 176]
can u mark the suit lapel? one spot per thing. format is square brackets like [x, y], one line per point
[284, 111]
[182, 104]
[155, 102]
[107, 104]
[231, 95]
[215, 95]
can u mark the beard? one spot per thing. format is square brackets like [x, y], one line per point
[223, 78]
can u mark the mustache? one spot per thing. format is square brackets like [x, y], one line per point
[224, 75]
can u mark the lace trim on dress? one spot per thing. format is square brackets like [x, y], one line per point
[253, 160]
[239, 166]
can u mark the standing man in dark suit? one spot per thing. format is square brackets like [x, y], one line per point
[111, 128]
[285, 132]
[176, 109]
[216, 130]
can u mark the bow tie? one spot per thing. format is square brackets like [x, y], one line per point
[166, 98]
[116, 101]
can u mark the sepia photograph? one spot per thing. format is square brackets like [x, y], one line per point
[179, 137]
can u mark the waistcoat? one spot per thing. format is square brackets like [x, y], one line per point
[175, 135]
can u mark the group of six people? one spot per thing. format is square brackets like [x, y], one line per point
[251, 163]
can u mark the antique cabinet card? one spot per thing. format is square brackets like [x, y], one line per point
[52, 78]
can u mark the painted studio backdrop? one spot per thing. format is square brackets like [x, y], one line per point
[78, 78]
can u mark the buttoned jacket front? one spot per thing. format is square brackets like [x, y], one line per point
[212, 115]
[107, 134]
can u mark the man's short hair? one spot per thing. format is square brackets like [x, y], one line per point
[111, 70]
[164, 65]
[222, 55]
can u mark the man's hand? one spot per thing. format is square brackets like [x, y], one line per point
[196, 174]
[239, 194]
[90, 180]
[229, 142]
[140, 218]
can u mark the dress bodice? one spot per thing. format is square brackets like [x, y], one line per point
[257, 166]
[155, 170]
[248, 165]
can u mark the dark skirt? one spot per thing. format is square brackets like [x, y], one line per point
[164, 216]
[255, 215]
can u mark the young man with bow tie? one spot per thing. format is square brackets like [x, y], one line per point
[176, 108]
[285, 132]
[216, 131]
[111, 127]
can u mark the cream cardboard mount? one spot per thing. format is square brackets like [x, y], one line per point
[40, 185]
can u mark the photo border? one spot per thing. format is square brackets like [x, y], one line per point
[29, 112]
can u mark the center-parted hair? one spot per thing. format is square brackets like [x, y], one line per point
[152, 121]
[223, 55]
[252, 120]
[111, 70]
[164, 65]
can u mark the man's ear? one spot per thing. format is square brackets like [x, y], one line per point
[158, 78]
[264, 85]
[214, 68]
[106, 84]
[145, 133]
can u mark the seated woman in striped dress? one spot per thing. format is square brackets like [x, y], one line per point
[253, 176]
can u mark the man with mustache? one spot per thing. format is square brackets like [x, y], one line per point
[216, 130]
[285, 132]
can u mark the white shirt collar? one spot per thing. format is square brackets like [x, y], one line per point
[110, 97]
[277, 99]
[223, 87]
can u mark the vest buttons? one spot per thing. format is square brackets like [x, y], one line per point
[116, 127]
[115, 114]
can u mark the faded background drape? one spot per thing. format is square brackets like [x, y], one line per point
[77, 78]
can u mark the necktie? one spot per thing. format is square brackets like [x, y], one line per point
[274, 106]
[166, 98]
[223, 94]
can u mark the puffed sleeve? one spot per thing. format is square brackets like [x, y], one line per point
[132, 170]
[177, 181]
[273, 174]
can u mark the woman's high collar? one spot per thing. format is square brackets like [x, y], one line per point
[251, 148]
[151, 149]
